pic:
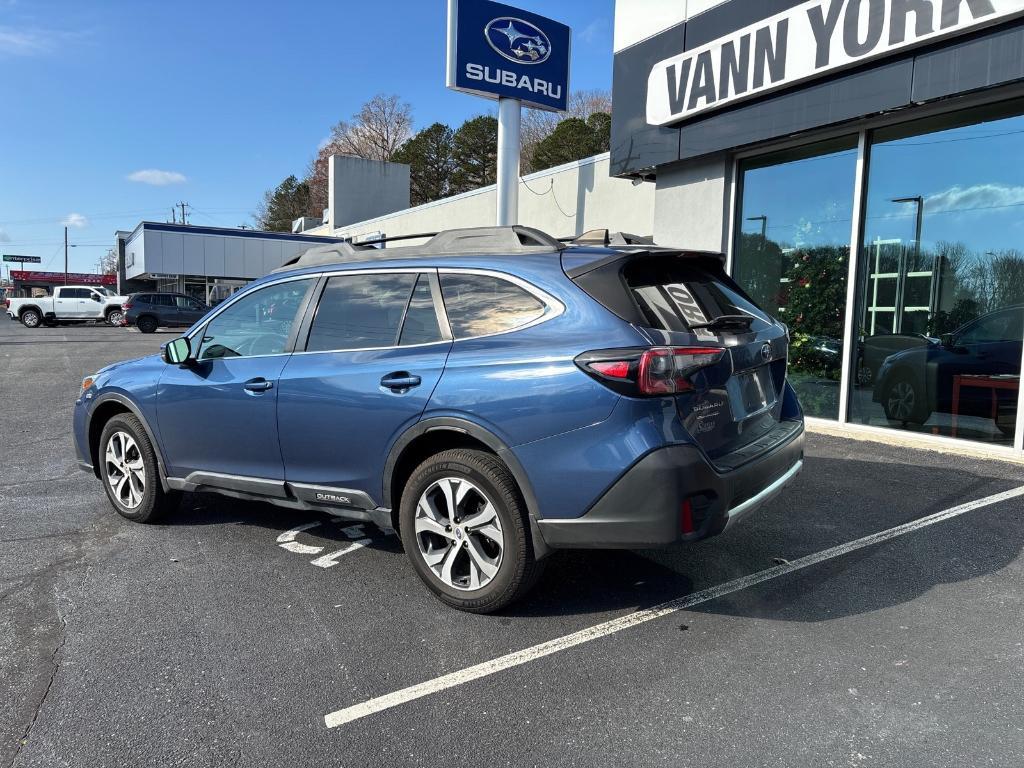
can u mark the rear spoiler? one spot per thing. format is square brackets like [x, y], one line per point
[628, 253]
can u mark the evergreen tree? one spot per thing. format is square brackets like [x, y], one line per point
[282, 205]
[475, 153]
[430, 155]
[573, 139]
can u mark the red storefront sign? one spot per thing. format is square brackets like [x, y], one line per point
[74, 278]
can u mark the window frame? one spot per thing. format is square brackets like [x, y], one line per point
[552, 307]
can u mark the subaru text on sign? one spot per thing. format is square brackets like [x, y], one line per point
[497, 51]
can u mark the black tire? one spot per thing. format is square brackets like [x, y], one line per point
[904, 401]
[517, 569]
[147, 324]
[154, 501]
[115, 317]
[31, 318]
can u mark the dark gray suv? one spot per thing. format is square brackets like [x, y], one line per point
[149, 311]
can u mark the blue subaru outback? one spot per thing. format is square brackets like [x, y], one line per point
[492, 396]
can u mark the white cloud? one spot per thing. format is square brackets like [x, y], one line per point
[157, 178]
[982, 196]
[24, 42]
[75, 220]
[30, 41]
[593, 31]
[4, 237]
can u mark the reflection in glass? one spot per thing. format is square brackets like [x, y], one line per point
[792, 257]
[360, 312]
[479, 305]
[941, 284]
[257, 324]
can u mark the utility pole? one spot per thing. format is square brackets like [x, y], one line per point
[174, 215]
[65, 255]
[184, 217]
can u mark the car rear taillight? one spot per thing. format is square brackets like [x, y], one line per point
[126, 306]
[654, 371]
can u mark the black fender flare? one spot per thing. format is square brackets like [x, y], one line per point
[467, 427]
[24, 309]
[137, 413]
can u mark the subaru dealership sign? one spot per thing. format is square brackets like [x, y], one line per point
[498, 51]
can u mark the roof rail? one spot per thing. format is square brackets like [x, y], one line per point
[512, 239]
[481, 240]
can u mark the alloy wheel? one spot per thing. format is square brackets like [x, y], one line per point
[30, 319]
[459, 534]
[126, 471]
[115, 318]
[902, 400]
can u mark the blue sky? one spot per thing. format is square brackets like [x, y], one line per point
[224, 99]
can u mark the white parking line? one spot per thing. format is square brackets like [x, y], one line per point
[381, 703]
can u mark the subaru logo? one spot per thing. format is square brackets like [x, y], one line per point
[766, 352]
[458, 533]
[518, 40]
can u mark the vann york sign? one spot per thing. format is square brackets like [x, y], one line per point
[804, 42]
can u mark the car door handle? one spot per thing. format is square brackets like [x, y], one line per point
[400, 380]
[258, 385]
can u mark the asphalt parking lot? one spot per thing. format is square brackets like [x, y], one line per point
[227, 635]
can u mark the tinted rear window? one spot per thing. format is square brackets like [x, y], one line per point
[481, 305]
[674, 295]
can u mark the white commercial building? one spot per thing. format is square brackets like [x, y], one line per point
[566, 200]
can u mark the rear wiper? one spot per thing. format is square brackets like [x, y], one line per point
[725, 321]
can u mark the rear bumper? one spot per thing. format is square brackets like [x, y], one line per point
[644, 508]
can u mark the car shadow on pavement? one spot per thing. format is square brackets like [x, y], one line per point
[834, 502]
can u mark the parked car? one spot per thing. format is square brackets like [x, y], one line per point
[917, 382]
[874, 350]
[149, 311]
[68, 304]
[492, 396]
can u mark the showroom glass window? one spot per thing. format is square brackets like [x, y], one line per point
[940, 309]
[792, 255]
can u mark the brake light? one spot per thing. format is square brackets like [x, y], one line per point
[126, 306]
[618, 369]
[655, 371]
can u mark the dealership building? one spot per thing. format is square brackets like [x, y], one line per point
[859, 162]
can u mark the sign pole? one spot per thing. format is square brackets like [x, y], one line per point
[510, 116]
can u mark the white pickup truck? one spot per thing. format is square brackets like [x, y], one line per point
[68, 304]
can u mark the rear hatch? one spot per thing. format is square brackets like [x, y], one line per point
[685, 300]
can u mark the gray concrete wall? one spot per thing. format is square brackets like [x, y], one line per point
[364, 189]
[691, 204]
[562, 201]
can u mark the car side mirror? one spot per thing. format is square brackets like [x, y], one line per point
[177, 352]
[96, 298]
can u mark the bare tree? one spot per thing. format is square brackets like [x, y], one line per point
[375, 132]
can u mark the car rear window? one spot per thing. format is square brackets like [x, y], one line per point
[675, 296]
[481, 305]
